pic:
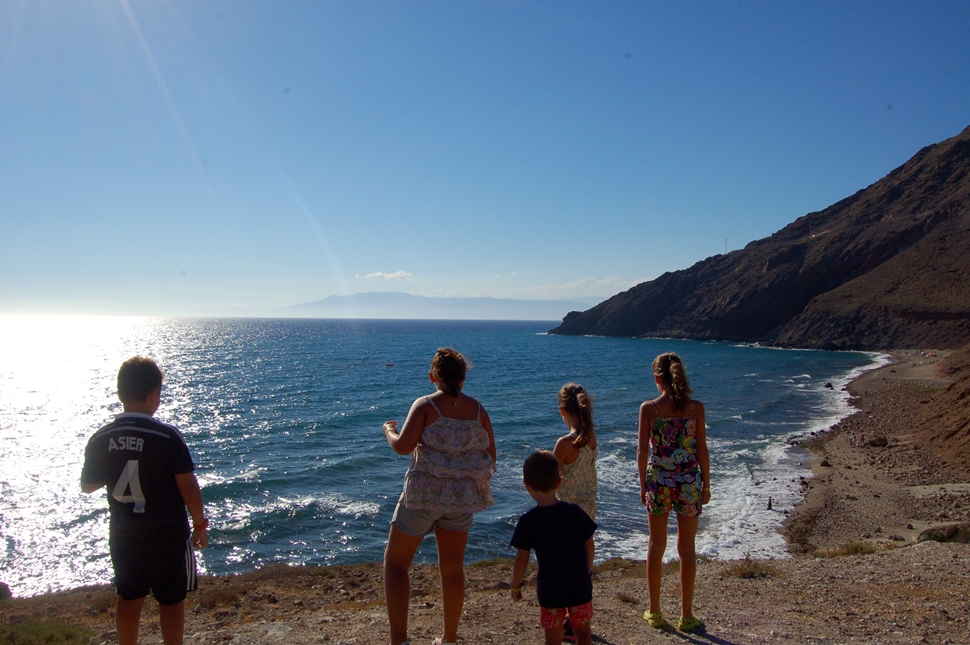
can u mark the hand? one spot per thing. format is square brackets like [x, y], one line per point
[706, 495]
[516, 595]
[389, 426]
[643, 495]
[200, 537]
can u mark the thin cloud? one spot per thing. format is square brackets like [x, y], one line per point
[397, 275]
[585, 288]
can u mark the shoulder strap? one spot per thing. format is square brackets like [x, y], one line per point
[428, 399]
[655, 410]
[690, 412]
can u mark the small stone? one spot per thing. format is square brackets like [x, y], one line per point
[825, 463]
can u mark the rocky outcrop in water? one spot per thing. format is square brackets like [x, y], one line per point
[888, 267]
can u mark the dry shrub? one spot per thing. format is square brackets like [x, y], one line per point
[858, 547]
[494, 562]
[214, 597]
[747, 568]
[625, 597]
[43, 633]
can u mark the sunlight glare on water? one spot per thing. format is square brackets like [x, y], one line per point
[57, 379]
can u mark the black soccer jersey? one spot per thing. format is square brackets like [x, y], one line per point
[137, 457]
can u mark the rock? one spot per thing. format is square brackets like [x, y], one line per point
[878, 442]
[825, 463]
[959, 532]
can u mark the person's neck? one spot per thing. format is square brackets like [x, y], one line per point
[140, 408]
[547, 498]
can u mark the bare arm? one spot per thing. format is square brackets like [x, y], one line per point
[703, 457]
[518, 573]
[487, 424]
[192, 496]
[406, 441]
[647, 414]
[564, 451]
[89, 488]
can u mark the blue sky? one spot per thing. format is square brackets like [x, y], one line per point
[164, 157]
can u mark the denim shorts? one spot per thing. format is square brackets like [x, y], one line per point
[418, 523]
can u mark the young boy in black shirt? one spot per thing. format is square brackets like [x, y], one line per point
[562, 536]
[148, 472]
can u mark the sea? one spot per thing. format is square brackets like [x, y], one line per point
[283, 418]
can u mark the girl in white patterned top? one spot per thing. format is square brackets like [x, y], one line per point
[449, 437]
[576, 451]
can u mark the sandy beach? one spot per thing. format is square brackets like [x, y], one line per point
[858, 570]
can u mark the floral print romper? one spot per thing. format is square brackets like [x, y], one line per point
[674, 478]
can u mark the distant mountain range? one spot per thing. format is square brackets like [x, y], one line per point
[392, 304]
[888, 267]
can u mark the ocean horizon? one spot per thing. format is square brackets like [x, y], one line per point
[283, 418]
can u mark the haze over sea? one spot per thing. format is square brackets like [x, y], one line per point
[283, 418]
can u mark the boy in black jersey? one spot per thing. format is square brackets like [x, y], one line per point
[148, 472]
[562, 535]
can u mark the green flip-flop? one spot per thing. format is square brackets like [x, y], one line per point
[654, 620]
[689, 624]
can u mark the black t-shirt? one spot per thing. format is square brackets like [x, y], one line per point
[137, 458]
[558, 534]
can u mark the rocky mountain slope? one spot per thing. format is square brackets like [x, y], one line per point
[888, 267]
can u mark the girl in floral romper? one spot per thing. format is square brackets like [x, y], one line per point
[674, 470]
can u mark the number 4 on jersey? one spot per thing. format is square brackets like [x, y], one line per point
[129, 478]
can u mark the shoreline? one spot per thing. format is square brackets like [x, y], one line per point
[903, 591]
[888, 490]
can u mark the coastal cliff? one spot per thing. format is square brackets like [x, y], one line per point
[888, 267]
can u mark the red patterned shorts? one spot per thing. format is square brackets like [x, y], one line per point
[553, 618]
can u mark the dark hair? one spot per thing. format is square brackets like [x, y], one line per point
[137, 378]
[671, 371]
[541, 471]
[449, 367]
[575, 400]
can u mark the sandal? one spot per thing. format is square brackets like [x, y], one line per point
[438, 641]
[689, 624]
[654, 620]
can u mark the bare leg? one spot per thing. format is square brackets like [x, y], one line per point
[451, 564]
[172, 620]
[554, 635]
[655, 558]
[127, 618]
[397, 583]
[583, 633]
[686, 532]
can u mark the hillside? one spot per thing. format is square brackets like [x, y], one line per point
[886, 267]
